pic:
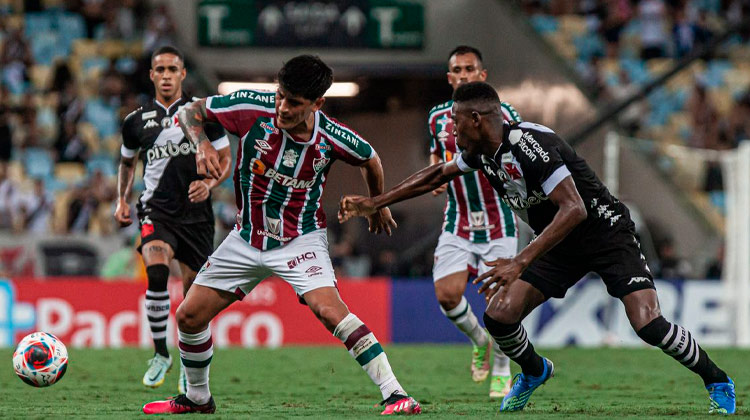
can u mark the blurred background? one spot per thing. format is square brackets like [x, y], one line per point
[655, 94]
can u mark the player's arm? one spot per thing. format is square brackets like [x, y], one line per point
[193, 118]
[126, 172]
[417, 184]
[434, 160]
[571, 212]
[372, 172]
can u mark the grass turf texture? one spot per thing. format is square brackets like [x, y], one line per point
[325, 382]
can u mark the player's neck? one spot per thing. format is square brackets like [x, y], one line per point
[166, 102]
[304, 129]
[494, 139]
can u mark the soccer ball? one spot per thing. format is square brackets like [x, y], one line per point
[40, 359]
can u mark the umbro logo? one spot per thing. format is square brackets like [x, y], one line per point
[150, 124]
[314, 271]
[262, 146]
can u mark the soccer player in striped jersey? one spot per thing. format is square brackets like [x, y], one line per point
[287, 146]
[478, 227]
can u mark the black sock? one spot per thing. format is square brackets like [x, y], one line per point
[680, 344]
[514, 342]
[157, 306]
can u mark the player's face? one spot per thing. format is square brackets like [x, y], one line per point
[464, 128]
[167, 73]
[465, 68]
[293, 110]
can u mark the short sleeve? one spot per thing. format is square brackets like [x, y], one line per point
[217, 136]
[349, 146]
[130, 141]
[238, 111]
[542, 161]
[468, 163]
[509, 113]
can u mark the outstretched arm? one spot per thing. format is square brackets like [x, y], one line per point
[192, 120]
[372, 172]
[571, 212]
[417, 184]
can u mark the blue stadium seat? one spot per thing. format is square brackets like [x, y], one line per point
[103, 163]
[544, 23]
[38, 163]
[46, 46]
[102, 116]
[588, 45]
[35, 23]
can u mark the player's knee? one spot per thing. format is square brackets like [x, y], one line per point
[189, 321]
[504, 312]
[642, 315]
[448, 297]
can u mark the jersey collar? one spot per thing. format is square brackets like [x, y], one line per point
[505, 145]
[314, 135]
[166, 109]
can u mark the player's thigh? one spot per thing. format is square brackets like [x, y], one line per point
[452, 255]
[195, 242]
[200, 306]
[304, 262]
[622, 266]
[235, 267]
[188, 275]
[555, 272]
[158, 242]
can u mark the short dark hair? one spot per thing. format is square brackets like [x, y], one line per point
[476, 91]
[168, 49]
[465, 49]
[307, 76]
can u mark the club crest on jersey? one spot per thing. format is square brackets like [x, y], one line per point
[166, 122]
[320, 163]
[290, 158]
[269, 128]
[273, 225]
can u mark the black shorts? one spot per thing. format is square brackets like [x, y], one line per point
[192, 243]
[616, 257]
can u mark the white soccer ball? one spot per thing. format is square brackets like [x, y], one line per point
[40, 359]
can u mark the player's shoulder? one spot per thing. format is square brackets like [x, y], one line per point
[258, 99]
[337, 130]
[441, 108]
[533, 128]
[133, 115]
[510, 112]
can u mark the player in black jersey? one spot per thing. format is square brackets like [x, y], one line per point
[174, 210]
[580, 227]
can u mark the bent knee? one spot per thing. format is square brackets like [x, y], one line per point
[189, 321]
[504, 313]
[448, 296]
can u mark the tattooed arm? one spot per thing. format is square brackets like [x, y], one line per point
[192, 119]
[125, 176]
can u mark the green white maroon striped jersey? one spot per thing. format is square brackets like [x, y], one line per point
[474, 210]
[279, 179]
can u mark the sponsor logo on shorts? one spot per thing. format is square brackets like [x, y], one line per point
[205, 267]
[314, 271]
[147, 227]
[638, 280]
[299, 259]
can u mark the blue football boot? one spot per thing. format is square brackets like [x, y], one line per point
[524, 386]
[722, 398]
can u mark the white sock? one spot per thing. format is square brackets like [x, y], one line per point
[365, 349]
[463, 318]
[501, 364]
[196, 351]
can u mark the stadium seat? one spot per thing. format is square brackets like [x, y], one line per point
[102, 116]
[38, 163]
[103, 163]
[70, 172]
[544, 24]
[40, 77]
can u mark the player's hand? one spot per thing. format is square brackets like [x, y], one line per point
[198, 191]
[382, 221]
[499, 278]
[122, 213]
[207, 161]
[355, 205]
[439, 190]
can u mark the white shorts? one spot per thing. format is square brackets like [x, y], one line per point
[454, 254]
[237, 267]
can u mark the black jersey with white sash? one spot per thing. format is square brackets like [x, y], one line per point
[527, 167]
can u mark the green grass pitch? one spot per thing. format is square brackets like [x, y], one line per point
[324, 382]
